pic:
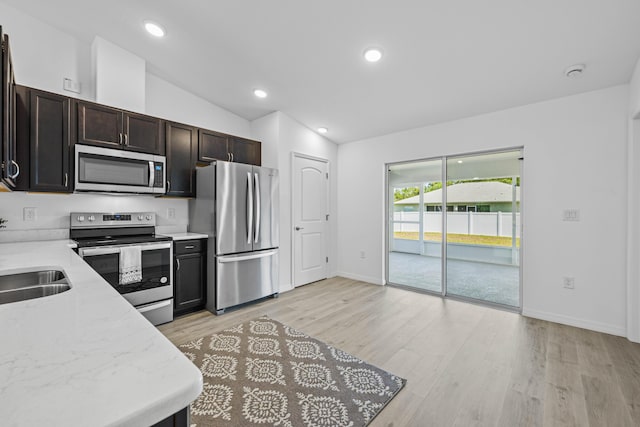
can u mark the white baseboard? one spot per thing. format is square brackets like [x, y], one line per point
[579, 323]
[285, 287]
[367, 279]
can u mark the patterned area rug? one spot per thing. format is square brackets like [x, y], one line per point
[262, 372]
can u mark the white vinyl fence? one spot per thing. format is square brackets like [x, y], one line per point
[480, 223]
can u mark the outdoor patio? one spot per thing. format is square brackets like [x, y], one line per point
[484, 281]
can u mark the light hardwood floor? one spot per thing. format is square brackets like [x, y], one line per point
[466, 365]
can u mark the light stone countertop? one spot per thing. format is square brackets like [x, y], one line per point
[186, 236]
[84, 357]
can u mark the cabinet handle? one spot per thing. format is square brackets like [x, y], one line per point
[178, 264]
[15, 175]
[126, 139]
[66, 179]
[189, 247]
[228, 157]
[168, 186]
[120, 138]
[232, 157]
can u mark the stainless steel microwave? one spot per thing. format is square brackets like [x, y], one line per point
[118, 171]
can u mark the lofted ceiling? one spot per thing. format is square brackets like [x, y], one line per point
[443, 59]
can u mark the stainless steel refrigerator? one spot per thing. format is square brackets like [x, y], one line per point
[237, 206]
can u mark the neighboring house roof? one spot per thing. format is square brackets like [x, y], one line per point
[467, 192]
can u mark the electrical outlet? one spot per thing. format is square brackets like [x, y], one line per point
[569, 282]
[363, 254]
[29, 214]
[571, 215]
[171, 213]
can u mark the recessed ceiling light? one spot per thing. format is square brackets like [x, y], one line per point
[459, 161]
[323, 130]
[575, 71]
[260, 93]
[373, 54]
[154, 29]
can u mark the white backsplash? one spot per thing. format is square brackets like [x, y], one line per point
[52, 213]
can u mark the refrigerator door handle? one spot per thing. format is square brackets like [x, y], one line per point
[249, 207]
[258, 208]
[235, 258]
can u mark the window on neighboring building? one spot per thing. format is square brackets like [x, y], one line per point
[449, 208]
[471, 208]
[462, 208]
[483, 208]
[431, 208]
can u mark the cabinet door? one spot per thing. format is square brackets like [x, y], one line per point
[181, 160]
[212, 146]
[99, 125]
[10, 167]
[189, 279]
[245, 151]
[49, 142]
[143, 134]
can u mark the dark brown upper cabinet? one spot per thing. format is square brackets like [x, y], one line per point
[182, 145]
[219, 146]
[9, 164]
[43, 129]
[212, 146]
[245, 150]
[114, 128]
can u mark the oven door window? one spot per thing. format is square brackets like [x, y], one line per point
[155, 269]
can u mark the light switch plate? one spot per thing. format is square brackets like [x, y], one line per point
[71, 85]
[571, 215]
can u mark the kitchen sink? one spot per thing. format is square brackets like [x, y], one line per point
[32, 284]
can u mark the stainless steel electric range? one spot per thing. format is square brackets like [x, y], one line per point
[103, 238]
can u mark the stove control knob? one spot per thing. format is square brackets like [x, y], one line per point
[140, 217]
[92, 218]
[80, 218]
[148, 217]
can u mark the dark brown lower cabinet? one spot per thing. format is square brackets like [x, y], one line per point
[189, 276]
[43, 122]
[179, 419]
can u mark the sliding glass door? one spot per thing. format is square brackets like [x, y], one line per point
[415, 225]
[479, 256]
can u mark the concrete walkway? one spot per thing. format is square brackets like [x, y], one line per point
[488, 282]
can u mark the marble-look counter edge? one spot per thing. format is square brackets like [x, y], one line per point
[186, 236]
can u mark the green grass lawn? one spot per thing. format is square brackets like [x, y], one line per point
[469, 239]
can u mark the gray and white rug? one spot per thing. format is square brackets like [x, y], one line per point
[262, 372]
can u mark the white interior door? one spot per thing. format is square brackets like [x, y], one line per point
[310, 215]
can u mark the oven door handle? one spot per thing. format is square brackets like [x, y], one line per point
[153, 306]
[116, 249]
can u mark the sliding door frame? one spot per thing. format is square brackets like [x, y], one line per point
[443, 276]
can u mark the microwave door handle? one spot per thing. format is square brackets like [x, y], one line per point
[258, 208]
[152, 175]
[249, 207]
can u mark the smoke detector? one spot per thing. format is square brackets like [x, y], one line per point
[574, 71]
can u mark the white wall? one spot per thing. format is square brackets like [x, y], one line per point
[119, 76]
[170, 102]
[52, 218]
[283, 136]
[575, 157]
[43, 55]
[633, 224]
[267, 130]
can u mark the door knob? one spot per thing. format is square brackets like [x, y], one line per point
[299, 228]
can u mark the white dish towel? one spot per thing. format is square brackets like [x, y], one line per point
[130, 265]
